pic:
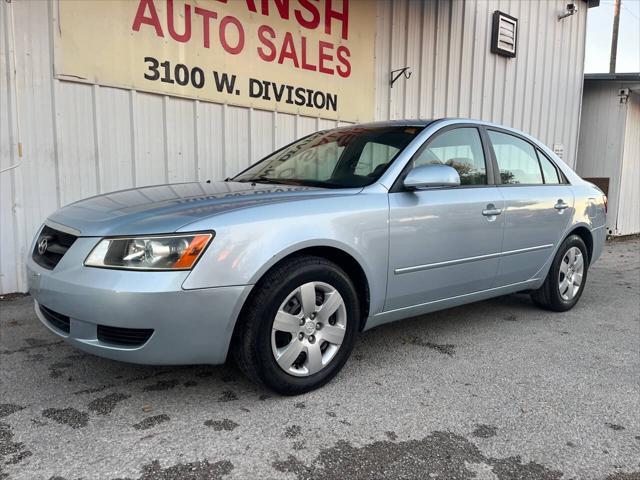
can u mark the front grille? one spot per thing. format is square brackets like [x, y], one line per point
[57, 320]
[129, 337]
[51, 246]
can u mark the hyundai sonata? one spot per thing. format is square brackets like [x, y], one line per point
[284, 264]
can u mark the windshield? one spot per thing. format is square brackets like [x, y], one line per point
[341, 158]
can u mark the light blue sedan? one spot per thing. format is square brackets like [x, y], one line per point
[341, 231]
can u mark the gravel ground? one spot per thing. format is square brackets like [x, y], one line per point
[497, 389]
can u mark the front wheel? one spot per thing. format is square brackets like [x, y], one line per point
[299, 326]
[566, 278]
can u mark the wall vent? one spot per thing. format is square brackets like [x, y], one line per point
[504, 37]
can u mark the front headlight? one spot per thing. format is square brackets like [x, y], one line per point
[169, 252]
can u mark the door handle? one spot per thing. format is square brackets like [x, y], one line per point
[560, 205]
[491, 211]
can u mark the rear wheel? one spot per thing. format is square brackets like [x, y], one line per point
[299, 327]
[566, 278]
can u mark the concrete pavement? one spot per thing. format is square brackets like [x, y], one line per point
[498, 389]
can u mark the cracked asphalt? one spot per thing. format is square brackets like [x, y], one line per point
[494, 390]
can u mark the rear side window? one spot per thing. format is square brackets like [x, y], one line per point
[460, 148]
[549, 170]
[517, 160]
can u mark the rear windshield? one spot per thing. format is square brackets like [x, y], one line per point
[340, 158]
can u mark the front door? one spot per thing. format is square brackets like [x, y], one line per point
[445, 242]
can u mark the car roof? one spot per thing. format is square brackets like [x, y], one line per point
[422, 122]
[394, 123]
[426, 122]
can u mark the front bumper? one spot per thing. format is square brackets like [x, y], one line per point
[189, 326]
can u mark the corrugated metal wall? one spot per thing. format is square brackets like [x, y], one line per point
[609, 147]
[601, 140]
[79, 140]
[447, 44]
[629, 210]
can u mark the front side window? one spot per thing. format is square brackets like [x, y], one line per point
[460, 148]
[340, 158]
[517, 159]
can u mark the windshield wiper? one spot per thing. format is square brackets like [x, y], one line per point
[275, 181]
[292, 182]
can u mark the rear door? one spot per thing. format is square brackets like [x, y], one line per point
[445, 242]
[538, 206]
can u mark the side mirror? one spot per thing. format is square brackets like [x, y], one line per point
[431, 175]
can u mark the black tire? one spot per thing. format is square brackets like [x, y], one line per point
[251, 346]
[548, 295]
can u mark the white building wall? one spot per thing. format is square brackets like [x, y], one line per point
[601, 140]
[454, 73]
[80, 140]
[629, 210]
[609, 147]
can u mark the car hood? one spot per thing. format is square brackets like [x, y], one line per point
[167, 208]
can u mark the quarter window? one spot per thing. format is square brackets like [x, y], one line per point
[549, 170]
[517, 159]
[460, 148]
